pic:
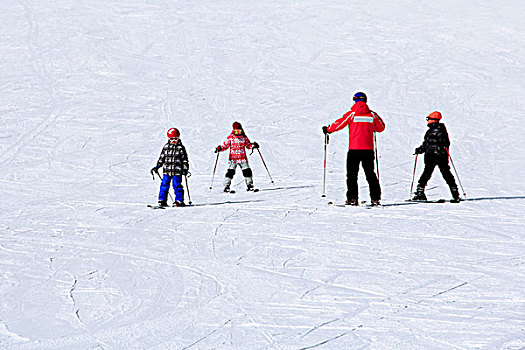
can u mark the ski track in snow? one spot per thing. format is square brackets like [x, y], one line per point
[88, 92]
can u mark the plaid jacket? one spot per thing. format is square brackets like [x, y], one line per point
[173, 159]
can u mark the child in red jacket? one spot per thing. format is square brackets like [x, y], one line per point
[237, 142]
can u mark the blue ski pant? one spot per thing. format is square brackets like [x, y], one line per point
[177, 187]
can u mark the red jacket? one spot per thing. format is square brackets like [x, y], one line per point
[237, 145]
[362, 123]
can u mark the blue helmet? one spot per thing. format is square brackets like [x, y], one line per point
[360, 96]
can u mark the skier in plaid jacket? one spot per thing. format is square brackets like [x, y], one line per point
[173, 160]
[237, 142]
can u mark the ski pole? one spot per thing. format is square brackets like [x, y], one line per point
[214, 168]
[453, 166]
[413, 176]
[377, 156]
[187, 188]
[169, 194]
[264, 163]
[326, 141]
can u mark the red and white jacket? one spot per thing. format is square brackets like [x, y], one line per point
[237, 145]
[362, 123]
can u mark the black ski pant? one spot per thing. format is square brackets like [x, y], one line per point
[353, 159]
[440, 160]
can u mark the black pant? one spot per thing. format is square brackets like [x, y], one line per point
[366, 157]
[431, 161]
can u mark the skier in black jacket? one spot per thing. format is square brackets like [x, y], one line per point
[435, 146]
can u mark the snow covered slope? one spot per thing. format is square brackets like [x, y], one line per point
[88, 90]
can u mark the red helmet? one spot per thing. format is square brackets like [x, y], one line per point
[173, 132]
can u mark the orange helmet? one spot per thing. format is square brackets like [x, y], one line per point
[434, 117]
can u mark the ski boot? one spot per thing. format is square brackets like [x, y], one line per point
[163, 204]
[353, 202]
[250, 188]
[420, 194]
[455, 195]
[375, 203]
[179, 204]
[226, 189]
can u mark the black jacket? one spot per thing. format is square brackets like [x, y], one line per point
[436, 140]
[173, 159]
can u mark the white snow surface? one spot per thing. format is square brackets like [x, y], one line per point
[88, 90]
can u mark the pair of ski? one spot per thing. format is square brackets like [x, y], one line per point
[190, 204]
[361, 204]
[233, 191]
[406, 202]
[152, 206]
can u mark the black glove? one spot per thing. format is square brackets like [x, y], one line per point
[419, 150]
[154, 170]
[218, 149]
[255, 145]
[186, 173]
[325, 130]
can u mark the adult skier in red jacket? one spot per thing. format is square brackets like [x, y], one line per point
[362, 124]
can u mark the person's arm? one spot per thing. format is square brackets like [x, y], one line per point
[341, 122]
[248, 143]
[185, 162]
[160, 162]
[379, 124]
[446, 138]
[224, 146]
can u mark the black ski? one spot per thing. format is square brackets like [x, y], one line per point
[406, 202]
[152, 206]
[429, 201]
[345, 205]
[233, 191]
[156, 206]
[369, 206]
